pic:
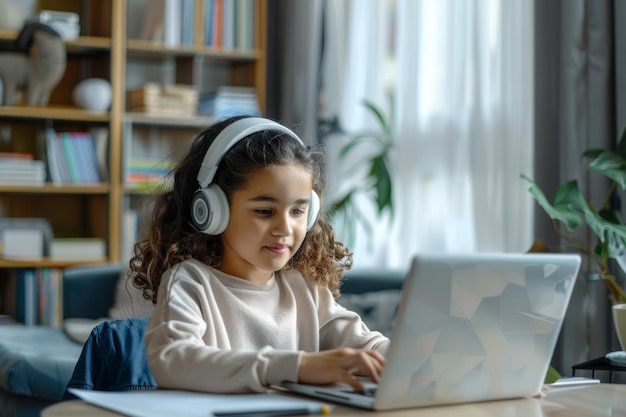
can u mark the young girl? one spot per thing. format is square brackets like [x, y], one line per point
[243, 272]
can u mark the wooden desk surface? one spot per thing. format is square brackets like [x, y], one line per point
[601, 400]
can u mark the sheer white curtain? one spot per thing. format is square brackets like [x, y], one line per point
[463, 96]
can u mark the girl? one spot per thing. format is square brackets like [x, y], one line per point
[243, 273]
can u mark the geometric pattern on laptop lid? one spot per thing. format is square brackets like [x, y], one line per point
[480, 332]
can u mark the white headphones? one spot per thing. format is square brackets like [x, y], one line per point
[209, 208]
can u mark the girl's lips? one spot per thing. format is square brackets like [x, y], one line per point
[279, 249]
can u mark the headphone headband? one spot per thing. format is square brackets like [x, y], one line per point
[209, 207]
[229, 136]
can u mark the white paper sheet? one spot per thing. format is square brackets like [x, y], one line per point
[156, 403]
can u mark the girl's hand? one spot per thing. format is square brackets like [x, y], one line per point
[340, 365]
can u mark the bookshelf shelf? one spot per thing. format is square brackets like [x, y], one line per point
[143, 48]
[46, 263]
[87, 43]
[65, 113]
[49, 188]
[80, 44]
[162, 120]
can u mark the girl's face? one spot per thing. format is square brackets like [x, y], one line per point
[268, 219]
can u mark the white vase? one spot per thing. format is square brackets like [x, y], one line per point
[619, 322]
[11, 16]
[93, 94]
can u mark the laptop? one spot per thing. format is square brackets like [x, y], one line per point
[469, 328]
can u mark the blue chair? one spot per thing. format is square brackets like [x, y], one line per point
[113, 359]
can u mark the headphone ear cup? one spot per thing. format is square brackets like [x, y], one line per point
[209, 210]
[314, 210]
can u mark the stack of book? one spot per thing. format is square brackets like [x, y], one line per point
[72, 157]
[230, 101]
[78, 249]
[166, 100]
[148, 170]
[21, 169]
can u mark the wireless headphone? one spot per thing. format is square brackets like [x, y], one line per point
[209, 208]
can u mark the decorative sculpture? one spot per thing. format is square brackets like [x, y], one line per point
[36, 64]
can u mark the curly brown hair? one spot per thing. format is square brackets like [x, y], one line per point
[170, 236]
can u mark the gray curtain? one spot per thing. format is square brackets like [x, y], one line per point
[576, 108]
[294, 50]
[580, 102]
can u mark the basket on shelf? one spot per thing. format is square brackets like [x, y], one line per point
[166, 100]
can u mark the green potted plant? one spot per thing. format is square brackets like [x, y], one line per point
[377, 184]
[570, 208]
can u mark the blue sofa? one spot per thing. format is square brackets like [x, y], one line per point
[36, 363]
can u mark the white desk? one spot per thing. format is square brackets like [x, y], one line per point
[601, 400]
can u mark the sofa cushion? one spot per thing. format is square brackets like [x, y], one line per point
[36, 361]
[129, 303]
[365, 280]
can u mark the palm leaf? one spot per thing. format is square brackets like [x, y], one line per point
[380, 173]
[568, 204]
[612, 165]
[385, 127]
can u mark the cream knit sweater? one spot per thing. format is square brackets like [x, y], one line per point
[217, 333]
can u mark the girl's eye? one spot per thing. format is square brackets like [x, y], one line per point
[298, 212]
[263, 212]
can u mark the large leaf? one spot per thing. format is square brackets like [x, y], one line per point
[568, 205]
[375, 138]
[383, 183]
[621, 145]
[385, 127]
[612, 165]
[608, 231]
[593, 152]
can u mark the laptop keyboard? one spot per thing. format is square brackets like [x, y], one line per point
[367, 392]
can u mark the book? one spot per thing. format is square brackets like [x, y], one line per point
[21, 242]
[151, 15]
[228, 24]
[26, 296]
[72, 157]
[167, 100]
[39, 296]
[100, 137]
[244, 24]
[55, 170]
[188, 25]
[21, 170]
[77, 248]
[148, 170]
[172, 23]
[230, 101]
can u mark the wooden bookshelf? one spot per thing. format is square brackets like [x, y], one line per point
[103, 50]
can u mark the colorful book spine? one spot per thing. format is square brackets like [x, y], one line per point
[39, 296]
[72, 158]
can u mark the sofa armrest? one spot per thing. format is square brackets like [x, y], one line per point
[361, 280]
[89, 291]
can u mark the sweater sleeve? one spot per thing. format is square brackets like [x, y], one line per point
[186, 350]
[340, 327]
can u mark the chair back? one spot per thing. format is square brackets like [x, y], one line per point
[113, 359]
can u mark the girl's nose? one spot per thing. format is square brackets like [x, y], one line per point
[282, 225]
